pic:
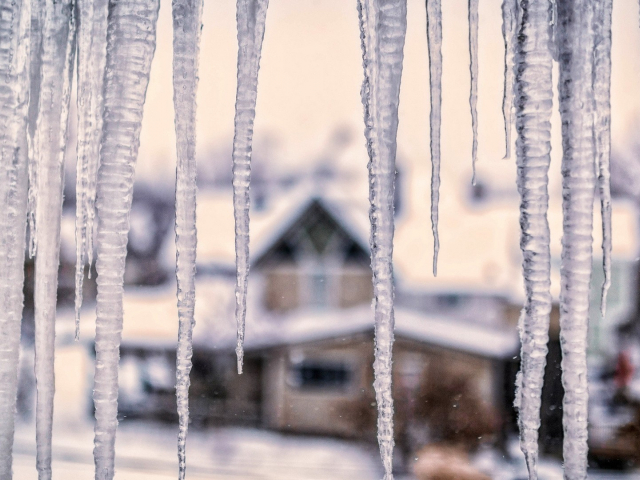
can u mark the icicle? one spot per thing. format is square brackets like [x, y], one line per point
[383, 26]
[251, 17]
[602, 131]
[37, 26]
[434, 40]
[131, 42]
[473, 69]
[15, 23]
[575, 52]
[58, 52]
[92, 44]
[509, 19]
[186, 48]
[534, 102]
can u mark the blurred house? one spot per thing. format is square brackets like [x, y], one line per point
[309, 341]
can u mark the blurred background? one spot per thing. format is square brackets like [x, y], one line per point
[305, 406]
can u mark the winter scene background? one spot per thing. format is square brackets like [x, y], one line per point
[304, 407]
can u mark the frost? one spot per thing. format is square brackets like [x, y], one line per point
[92, 51]
[534, 102]
[58, 53]
[383, 25]
[251, 17]
[186, 48]
[14, 94]
[131, 41]
[434, 40]
[575, 44]
[473, 70]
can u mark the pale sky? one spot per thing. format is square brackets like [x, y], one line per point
[310, 78]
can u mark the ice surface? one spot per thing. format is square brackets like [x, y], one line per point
[473, 70]
[251, 17]
[509, 25]
[602, 130]
[534, 102]
[58, 53]
[383, 26]
[434, 41]
[186, 48]
[92, 51]
[575, 52]
[15, 23]
[131, 41]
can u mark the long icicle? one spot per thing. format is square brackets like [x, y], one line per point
[37, 27]
[575, 53]
[383, 26]
[602, 131]
[473, 70]
[15, 24]
[509, 25]
[58, 53]
[434, 42]
[534, 102]
[131, 42]
[251, 17]
[186, 49]
[92, 51]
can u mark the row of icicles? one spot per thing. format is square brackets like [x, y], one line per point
[112, 46]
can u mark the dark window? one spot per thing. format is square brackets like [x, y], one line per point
[310, 375]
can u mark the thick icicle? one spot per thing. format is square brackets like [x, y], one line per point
[383, 26]
[186, 49]
[509, 25]
[434, 41]
[602, 130]
[58, 52]
[473, 70]
[37, 26]
[575, 53]
[534, 102]
[92, 50]
[131, 42]
[251, 17]
[15, 24]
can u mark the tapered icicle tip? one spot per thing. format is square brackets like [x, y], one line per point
[240, 356]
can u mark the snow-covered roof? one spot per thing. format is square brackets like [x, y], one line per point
[479, 242]
[151, 321]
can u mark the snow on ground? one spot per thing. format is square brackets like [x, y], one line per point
[147, 451]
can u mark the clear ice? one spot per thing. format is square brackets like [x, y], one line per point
[575, 43]
[434, 42]
[534, 103]
[187, 20]
[131, 42]
[602, 130]
[383, 25]
[58, 54]
[92, 52]
[509, 26]
[15, 24]
[473, 70]
[251, 17]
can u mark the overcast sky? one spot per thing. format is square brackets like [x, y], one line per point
[310, 80]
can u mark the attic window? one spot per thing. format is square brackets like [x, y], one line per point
[320, 375]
